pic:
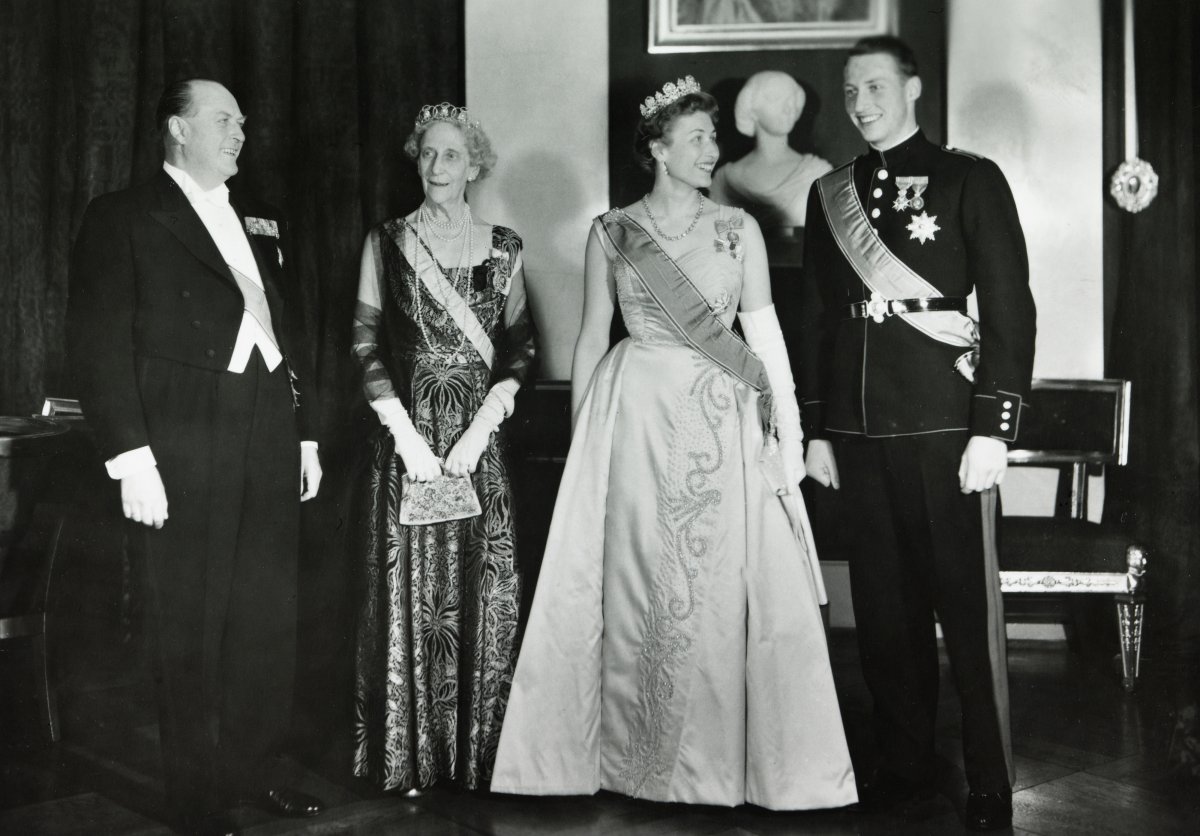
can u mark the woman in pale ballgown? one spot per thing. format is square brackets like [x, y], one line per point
[675, 649]
[445, 339]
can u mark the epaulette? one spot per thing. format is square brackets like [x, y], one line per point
[962, 153]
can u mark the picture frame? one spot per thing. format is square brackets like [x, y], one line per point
[731, 25]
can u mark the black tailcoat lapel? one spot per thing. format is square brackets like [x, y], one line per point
[178, 216]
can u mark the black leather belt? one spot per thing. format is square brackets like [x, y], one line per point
[877, 309]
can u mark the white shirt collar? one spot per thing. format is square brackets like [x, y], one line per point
[191, 189]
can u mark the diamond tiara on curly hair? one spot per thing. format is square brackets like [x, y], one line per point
[444, 112]
[671, 91]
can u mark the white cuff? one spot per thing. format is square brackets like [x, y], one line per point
[498, 405]
[130, 462]
[388, 410]
[311, 444]
[761, 327]
[765, 339]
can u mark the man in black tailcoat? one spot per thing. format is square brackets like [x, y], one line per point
[910, 405]
[193, 378]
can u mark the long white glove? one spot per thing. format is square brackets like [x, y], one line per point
[463, 458]
[420, 464]
[765, 339]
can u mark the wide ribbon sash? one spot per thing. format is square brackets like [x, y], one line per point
[687, 310]
[254, 299]
[686, 307]
[880, 269]
[443, 292]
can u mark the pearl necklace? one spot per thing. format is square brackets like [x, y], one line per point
[464, 262]
[433, 224]
[686, 232]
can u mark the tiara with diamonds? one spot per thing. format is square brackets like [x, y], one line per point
[671, 91]
[444, 112]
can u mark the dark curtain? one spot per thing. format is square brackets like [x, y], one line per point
[330, 89]
[1151, 275]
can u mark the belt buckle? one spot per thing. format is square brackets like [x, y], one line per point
[878, 307]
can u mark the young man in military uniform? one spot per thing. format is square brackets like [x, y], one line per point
[911, 405]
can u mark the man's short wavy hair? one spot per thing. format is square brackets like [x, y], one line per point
[906, 59]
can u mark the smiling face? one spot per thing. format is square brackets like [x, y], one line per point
[209, 138]
[689, 149]
[444, 163]
[879, 100]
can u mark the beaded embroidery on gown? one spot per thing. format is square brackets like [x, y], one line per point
[675, 649]
[437, 626]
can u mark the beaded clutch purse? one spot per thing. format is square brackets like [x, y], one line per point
[438, 500]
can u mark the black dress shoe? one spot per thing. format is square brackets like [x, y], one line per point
[291, 803]
[989, 810]
[885, 790]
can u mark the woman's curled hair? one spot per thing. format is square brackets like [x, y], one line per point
[657, 124]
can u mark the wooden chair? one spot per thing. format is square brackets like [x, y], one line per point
[1078, 427]
[24, 600]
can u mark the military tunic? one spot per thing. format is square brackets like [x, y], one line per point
[900, 414]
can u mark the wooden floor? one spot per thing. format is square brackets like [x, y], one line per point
[1090, 760]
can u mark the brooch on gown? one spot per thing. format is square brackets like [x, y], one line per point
[728, 240]
[719, 303]
[501, 271]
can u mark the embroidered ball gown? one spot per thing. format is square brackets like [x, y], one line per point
[675, 649]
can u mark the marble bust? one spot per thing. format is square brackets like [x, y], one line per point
[772, 181]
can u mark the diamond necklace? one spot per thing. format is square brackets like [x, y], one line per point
[686, 232]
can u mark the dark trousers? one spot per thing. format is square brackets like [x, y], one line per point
[918, 549]
[221, 577]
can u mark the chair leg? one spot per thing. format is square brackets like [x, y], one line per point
[45, 693]
[1130, 609]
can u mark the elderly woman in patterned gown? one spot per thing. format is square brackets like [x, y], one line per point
[445, 340]
[675, 649]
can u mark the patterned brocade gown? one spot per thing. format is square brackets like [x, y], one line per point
[438, 622]
[675, 649]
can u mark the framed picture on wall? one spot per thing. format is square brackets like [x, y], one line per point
[718, 25]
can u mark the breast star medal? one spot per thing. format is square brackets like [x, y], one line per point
[922, 227]
[903, 201]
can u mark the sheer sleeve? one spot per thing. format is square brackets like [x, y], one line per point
[367, 329]
[516, 359]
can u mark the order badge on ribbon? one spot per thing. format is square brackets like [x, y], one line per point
[903, 202]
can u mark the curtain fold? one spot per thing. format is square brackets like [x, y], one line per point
[330, 88]
[1154, 340]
